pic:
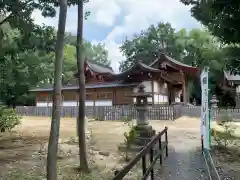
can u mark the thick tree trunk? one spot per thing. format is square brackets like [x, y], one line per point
[56, 110]
[82, 92]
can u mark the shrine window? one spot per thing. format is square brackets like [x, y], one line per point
[101, 95]
[109, 95]
[105, 95]
[69, 96]
[43, 97]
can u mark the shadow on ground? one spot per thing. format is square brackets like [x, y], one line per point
[14, 147]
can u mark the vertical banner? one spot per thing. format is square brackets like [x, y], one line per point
[205, 123]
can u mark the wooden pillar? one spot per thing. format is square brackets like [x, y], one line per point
[184, 88]
[170, 93]
[153, 93]
[62, 98]
[76, 97]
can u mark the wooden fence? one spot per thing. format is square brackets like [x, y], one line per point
[102, 112]
[195, 111]
[162, 112]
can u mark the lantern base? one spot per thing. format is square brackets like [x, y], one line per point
[144, 135]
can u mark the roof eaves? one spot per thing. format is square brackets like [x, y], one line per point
[88, 86]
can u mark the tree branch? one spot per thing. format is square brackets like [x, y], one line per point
[11, 14]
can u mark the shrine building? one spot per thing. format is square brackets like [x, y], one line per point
[166, 78]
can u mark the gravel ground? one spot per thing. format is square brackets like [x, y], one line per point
[185, 161]
[226, 171]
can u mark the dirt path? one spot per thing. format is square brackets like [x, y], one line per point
[185, 161]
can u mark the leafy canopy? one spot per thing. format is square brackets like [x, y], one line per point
[221, 17]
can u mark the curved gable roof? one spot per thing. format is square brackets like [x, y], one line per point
[140, 66]
[182, 66]
[101, 69]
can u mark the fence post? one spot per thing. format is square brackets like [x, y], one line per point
[144, 166]
[166, 141]
[160, 149]
[151, 161]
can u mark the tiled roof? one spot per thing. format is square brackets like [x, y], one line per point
[185, 66]
[99, 68]
[139, 66]
[88, 86]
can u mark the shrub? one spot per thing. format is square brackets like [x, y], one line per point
[224, 118]
[129, 138]
[126, 119]
[226, 136]
[8, 118]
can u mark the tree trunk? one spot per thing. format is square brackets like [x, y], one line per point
[57, 97]
[82, 92]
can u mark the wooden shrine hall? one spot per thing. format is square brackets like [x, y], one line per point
[167, 79]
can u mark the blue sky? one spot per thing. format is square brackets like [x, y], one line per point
[111, 21]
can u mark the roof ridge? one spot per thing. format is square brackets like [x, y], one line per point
[99, 64]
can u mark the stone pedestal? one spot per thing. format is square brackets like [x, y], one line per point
[144, 135]
[237, 100]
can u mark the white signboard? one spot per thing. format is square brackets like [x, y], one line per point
[205, 132]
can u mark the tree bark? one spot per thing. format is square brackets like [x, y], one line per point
[82, 92]
[57, 97]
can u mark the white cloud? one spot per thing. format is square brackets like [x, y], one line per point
[135, 15]
[103, 12]
[139, 14]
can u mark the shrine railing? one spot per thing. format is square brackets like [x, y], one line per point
[150, 149]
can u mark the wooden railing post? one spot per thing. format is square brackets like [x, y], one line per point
[151, 161]
[160, 149]
[144, 167]
[147, 150]
[166, 140]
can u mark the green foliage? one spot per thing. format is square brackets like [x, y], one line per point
[226, 137]
[8, 119]
[222, 19]
[126, 119]
[129, 138]
[196, 48]
[93, 52]
[148, 45]
[26, 60]
[18, 13]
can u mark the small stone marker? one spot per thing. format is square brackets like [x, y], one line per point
[87, 132]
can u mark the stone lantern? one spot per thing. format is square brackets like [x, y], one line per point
[143, 129]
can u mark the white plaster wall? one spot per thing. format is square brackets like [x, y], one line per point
[149, 99]
[69, 103]
[88, 103]
[103, 103]
[238, 89]
[158, 99]
[160, 88]
[177, 96]
[75, 103]
[157, 88]
[43, 104]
